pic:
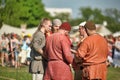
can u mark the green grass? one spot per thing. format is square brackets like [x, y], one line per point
[113, 73]
[8, 73]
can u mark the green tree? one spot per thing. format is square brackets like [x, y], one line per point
[63, 16]
[98, 16]
[113, 13]
[112, 16]
[76, 22]
[17, 12]
[113, 19]
[86, 13]
[92, 14]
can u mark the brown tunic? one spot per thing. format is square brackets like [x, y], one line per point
[94, 51]
[38, 42]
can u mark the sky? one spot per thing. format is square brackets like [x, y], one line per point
[76, 4]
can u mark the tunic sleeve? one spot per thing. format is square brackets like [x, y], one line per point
[82, 50]
[38, 41]
[66, 50]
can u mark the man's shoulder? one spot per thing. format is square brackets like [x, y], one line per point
[39, 33]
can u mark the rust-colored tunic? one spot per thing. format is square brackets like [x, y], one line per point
[94, 51]
[59, 58]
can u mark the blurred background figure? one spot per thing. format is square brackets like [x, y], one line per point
[111, 42]
[83, 35]
[23, 53]
[54, 28]
[56, 24]
[116, 59]
[4, 50]
[28, 58]
[15, 46]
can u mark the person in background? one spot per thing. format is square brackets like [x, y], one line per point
[4, 50]
[23, 54]
[28, 55]
[110, 49]
[58, 53]
[37, 46]
[16, 49]
[93, 52]
[28, 50]
[83, 35]
[116, 59]
[56, 25]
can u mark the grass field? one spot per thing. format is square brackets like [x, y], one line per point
[8, 73]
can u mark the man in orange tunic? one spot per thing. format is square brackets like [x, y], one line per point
[59, 55]
[93, 53]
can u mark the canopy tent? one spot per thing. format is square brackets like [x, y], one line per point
[101, 29]
[31, 30]
[116, 34]
[10, 29]
[74, 32]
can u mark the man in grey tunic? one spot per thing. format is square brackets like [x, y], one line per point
[37, 45]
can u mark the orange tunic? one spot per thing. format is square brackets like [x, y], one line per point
[94, 51]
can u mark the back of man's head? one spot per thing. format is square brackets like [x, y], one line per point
[90, 25]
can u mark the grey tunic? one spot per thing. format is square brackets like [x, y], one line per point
[38, 42]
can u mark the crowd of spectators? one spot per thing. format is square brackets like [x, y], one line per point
[15, 50]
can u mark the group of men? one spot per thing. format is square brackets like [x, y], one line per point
[51, 52]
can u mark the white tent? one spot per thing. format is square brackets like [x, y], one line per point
[9, 29]
[31, 31]
[101, 29]
[116, 34]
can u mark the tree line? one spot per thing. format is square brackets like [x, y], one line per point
[30, 12]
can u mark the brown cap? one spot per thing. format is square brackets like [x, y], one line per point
[90, 25]
[65, 26]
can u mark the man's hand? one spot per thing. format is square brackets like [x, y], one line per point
[42, 53]
[73, 51]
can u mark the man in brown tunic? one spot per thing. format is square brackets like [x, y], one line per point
[93, 53]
